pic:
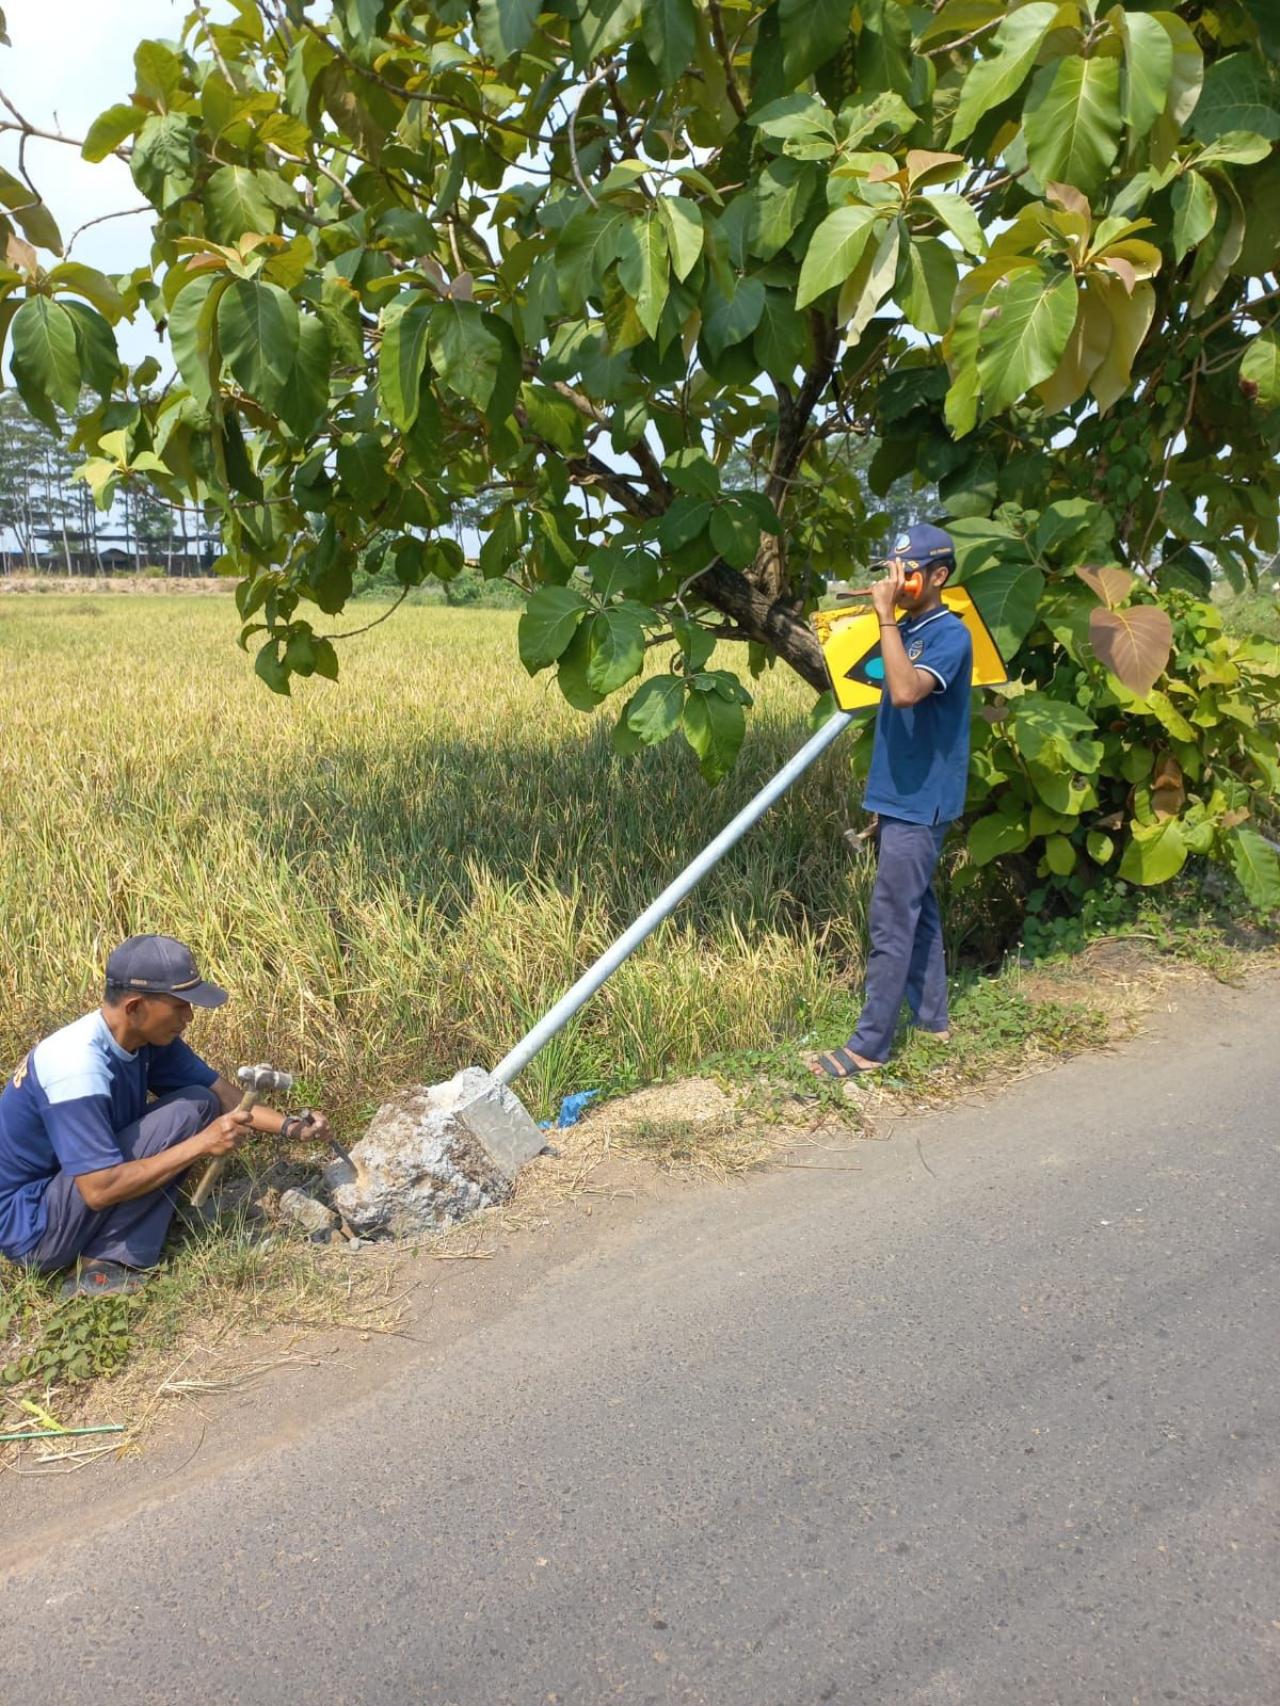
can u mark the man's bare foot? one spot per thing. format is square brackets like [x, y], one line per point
[840, 1063]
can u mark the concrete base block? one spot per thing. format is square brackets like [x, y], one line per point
[433, 1155]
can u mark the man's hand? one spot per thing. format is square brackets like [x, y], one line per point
[226, 1134]
[317, 1126]
[886, 593]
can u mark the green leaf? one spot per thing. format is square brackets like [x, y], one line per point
[1101, 847]
[158, 71]
[1261, 367]
[505, 27]
[1073, 122]
[163, 161]
[602, 25]
[684, 233]
[45, 358]
[733, 318]
[779, 198]
[813, 31]
[1195, 209]
[587, 248]
[1155, 852]
[780, 340]
[1007, 596]
[259, 334]
[464, 352]
[1023, 340]
[927, 284]
[571, 671]
[95, 347]
[1060, 855]
[236, 203]
[305, 396]
[549, 622]
[683, 522]
[1239, 93]
[959, 218]
[88, 282]
[269, 667]
[834, 251]
[616, 647]
[653, 712]
[1056, 734]
[669, 31]
[735, 533]
[402, 360]
[644, 268]
[1257, 868]
[1003, 831]
[992, 81]
[193, 335]
[110, 129]
[1148, 70]
[798, 117]
[692, 470]
[714, 727]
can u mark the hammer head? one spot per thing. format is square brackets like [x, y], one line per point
[264, 1079]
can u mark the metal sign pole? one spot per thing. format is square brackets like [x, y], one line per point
[514, 1063]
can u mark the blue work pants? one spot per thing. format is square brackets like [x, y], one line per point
[905, 958]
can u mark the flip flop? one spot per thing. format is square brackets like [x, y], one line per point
[103, 1279]
[838, 1063]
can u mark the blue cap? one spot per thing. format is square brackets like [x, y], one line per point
[921, 546]
[159, 965]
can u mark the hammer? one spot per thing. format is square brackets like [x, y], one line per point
[256, 1080]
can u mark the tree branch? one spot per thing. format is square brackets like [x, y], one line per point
[726, 59]
[773, 622]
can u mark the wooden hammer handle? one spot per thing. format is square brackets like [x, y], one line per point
[218, 1166]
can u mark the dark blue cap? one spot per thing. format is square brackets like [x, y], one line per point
[158, 965]
[922, 545]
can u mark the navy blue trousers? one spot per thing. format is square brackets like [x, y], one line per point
[905, 958]
[130, 1232]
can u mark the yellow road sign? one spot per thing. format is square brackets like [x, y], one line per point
[850, 641]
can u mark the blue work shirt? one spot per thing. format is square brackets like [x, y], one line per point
[920, 761]
[62, 1108]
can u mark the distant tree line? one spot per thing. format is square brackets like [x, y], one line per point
[48, 519]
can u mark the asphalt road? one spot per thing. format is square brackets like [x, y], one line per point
[992, 1419]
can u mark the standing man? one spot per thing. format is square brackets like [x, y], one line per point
[89, 1169]
[919, 772]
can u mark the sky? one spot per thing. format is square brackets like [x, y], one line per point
[71, 59]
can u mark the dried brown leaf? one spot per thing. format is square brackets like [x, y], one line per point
[1133, 644]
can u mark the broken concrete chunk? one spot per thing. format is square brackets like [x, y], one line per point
[296, 1208]
[433, 1155]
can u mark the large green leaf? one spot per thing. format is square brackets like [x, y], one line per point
[259, 333]
[602, 25]
[654, 710]
[549, 622]
[669, 31]
[464, 351]
[587, 247]
[1004, 831]
[193, 335]
[163, 161]
[1261, 368]
[236, 202]
[1029, 320]
[1073, 121]
[730, 319]
[1156, 852]
[402, 359]
[1195, 210]
[992, 81]
[616, 647]
[714, 728]
[684, 233]
[1007, 596]
[644, 267]
[813, 31]
[1257, 868]
[110, 129]
[780, 341]
[504, 27]
[45, 358]
[1241, 92]
[927, 284]
[95, 347]
[958, 216]
[305, 396]
[779, 197]
[834, 251]
[1148, 70]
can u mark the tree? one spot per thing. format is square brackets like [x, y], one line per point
[571, 262]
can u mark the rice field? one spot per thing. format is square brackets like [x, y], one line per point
[395, 875]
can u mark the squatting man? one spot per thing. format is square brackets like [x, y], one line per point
[89, 1166]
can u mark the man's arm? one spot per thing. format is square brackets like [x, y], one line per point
[904, 683]
[110, 1185]
[263, 1119]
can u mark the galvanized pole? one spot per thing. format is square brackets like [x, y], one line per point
[514, 1063]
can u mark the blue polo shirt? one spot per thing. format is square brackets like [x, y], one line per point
[920, 761]
[62, 1108]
